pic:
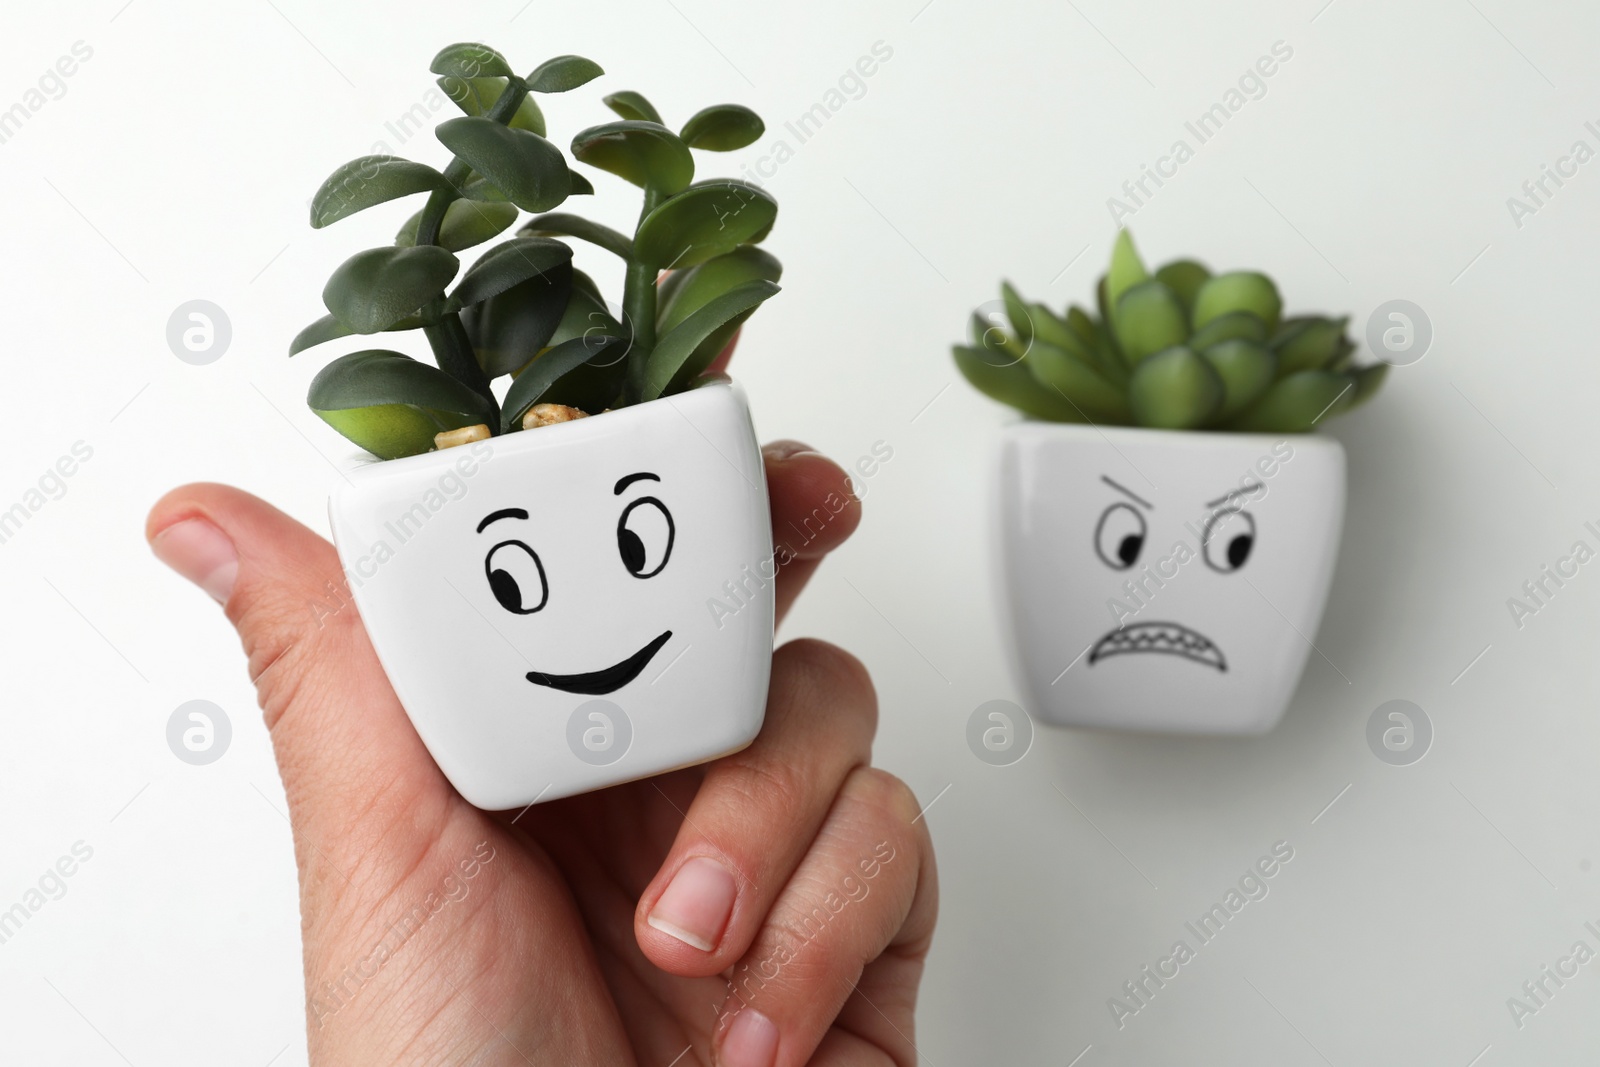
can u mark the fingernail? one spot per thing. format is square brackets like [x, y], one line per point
[696, 905]
[201, 553]
[752, 1041]
[787, 450]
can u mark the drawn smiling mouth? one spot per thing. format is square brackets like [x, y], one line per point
[606, 680]
[1168, 637]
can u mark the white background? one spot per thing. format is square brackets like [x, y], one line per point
[1378, 164]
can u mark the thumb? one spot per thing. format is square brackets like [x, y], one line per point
[342, 740]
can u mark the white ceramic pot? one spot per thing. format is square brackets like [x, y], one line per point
[1165, 581]
[570, 607]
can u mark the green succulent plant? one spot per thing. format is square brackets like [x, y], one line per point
[522, 310]
[1180, 349]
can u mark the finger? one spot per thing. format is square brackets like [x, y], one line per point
[756, 813]
[340, 734]
[799, 491]
[814, 511]
[881, 1012]
[840, 955]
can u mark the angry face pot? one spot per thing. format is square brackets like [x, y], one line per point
[1165, 581]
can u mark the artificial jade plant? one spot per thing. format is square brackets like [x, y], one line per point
[522, 310]
[1180, 349]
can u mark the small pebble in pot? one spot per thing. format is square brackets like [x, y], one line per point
[549, 415]
[466, 435]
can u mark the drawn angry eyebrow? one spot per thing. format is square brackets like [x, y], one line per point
[1128, 492]
[1252, 489]
[503, 513]
[624, 482]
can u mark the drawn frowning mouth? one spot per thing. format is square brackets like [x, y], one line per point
[1168, 637]
[606, 680]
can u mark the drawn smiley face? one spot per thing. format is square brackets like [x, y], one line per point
[1226, 540]
[511, 584]
[516, 576]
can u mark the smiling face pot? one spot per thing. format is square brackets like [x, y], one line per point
[553, 606]
[1165, 581]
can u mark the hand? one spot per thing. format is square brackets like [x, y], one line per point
[770, 908]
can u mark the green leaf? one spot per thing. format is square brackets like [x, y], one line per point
[685, 292]
[1017, 313]
[670, 363]
[1051, 329]
[379, 376]
[644, 153]
[666, 284]
[1344, 358]
[480, 190]
[586, 314]
[1239, 291]
[1104, 335]
[633, 107]
[1174, 390]
[581, 282]
[1096, 399]
[1149, 319]
[368, 181]
[1096, 342]
[543, 375]
[1234, 326]
[476, 96]
[510, 328]
[1297, 403]
[1368, 381]
[1127, 271]
[392, 405]
[723, 128]
[475, 188]
[563, 73]
[329, 328]
[1081, 323]
[559, 224]
[528, 169]
[470, 60]
[1309, 343]
[1013, 384]
[507, 264]
[703, 221]
[466, 223]
[1108, 357]
[595, 385]
[1246, 369]
[1184, 277]
[990, 336]
[375, 289]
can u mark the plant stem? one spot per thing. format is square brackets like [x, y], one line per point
[639, 307]
[439, 201]
[452, 348]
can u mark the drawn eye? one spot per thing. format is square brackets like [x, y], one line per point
[644, 537]
[516, 577]
[1229, 536]
[1120, 536]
